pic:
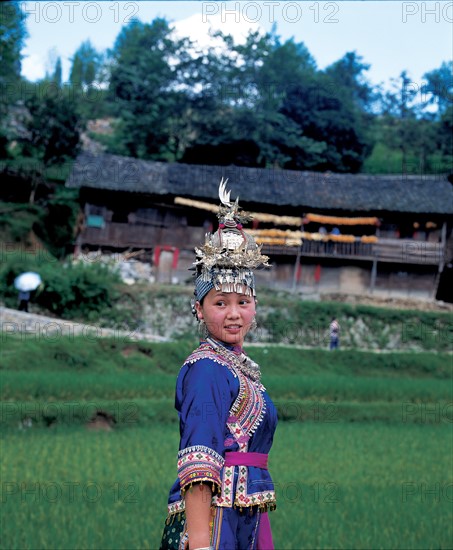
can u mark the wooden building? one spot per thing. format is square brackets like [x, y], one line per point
[325, 232]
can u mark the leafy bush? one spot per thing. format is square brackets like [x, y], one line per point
[73, 290]
[284, 319]
[68, 290]
[16, 221]
[59, 220]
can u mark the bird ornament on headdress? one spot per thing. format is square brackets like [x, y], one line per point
[228, 257]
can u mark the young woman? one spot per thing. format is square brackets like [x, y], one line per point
[227, 420]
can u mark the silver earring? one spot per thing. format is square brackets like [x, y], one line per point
[192, 308]
[253, 324]
[202, 329]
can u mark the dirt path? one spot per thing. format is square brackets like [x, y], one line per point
[40, 326]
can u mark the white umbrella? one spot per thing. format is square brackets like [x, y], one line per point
[27, 281]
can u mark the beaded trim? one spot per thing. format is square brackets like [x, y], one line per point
[245, 500]
[176, 507]
[241, 362]
[226, 496]
[199, 463]
[205, 351]
[247, 412]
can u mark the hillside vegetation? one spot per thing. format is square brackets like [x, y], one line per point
[93, 295]
[285, 318]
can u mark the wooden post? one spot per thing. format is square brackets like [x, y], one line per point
[374, 267]
[296, 268]
[443, 239]
[296, 265]
[443, 251]
[373, 276]
[78, 246]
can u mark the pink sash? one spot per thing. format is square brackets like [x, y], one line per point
[259, 460]
[264, 541]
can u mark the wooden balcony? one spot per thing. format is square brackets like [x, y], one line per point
[409, 251]
[126, 235]
[405, 251]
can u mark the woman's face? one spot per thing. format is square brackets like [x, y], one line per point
[227, 315]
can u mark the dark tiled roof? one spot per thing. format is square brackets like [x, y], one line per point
[307, 190]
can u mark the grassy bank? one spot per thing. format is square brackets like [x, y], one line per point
[286, 318]
[67, 379]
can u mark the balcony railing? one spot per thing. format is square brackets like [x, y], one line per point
[409, 251]
[406, 251]
[385, 250]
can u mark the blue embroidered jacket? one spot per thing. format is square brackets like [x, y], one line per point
[221, 409]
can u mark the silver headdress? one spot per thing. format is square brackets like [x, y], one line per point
[228, 256]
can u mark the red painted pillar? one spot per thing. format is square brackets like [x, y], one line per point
[174, 264]
[298, 272]
[318, 273]
[156, 256]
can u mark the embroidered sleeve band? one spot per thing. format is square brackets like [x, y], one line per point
[199, 463]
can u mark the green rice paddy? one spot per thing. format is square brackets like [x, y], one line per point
[362, 457]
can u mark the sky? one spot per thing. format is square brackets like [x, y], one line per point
[390, 36]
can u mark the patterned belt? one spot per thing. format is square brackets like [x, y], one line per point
[259, 460]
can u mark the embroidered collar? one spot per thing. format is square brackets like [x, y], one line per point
[238, 358]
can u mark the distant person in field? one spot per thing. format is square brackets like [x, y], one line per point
[334, 330]
[23, 298]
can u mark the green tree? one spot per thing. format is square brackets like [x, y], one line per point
[57, 222]
[144, 74]
[282, 67]
[332, 131]
[87, 78]
[444, 141]
[405, 126]
[57, 77]
[12, 37]
[439, 87]
[260, 103]
[268, 71]
[219, 127]
[348, 72]
[234, 117]
[53, 125]
[271, 106]
[86, 66]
